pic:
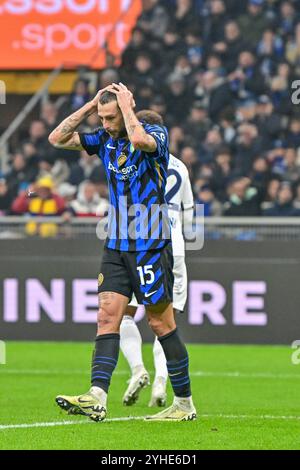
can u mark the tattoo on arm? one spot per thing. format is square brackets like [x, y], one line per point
[63, 134]
[69, 125]
[136, 132]
[131, 123]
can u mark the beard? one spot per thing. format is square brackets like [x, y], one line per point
[122, 133]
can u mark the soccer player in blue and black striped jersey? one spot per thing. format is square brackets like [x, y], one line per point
[138, 251]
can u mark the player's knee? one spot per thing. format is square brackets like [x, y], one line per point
[160, 326]
[106, 320]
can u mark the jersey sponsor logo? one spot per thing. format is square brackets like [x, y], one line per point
[111, 147]
[126, 173]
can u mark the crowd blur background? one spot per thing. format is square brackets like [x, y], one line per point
[220, 72]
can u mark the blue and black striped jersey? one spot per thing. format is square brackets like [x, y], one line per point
[138, 214]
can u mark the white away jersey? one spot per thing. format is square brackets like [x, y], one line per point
[179, 196]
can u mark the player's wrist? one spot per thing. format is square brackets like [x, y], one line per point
[90, 107]
[125, 106]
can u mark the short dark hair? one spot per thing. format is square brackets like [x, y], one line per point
[150, 117]
[107, 97]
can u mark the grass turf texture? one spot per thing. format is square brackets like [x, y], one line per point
[257, 408]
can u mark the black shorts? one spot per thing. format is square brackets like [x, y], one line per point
[147, 274]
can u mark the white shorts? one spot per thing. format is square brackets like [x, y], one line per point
[180, 285]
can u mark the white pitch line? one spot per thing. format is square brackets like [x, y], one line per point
[138, 418]
[254, 375]
[283, 418]
[53, 371]
[65, 423]
[236, 374]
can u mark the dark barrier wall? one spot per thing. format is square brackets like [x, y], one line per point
[239, 292]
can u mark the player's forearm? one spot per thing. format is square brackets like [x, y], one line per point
[64, 131]
[135, 131]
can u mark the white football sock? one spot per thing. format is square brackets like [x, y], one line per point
[100, 394]
[159, 361]
[131, 343]
[184, 403]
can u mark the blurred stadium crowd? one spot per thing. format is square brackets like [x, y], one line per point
[220, 72]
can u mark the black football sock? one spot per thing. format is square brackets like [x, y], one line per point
[105, 358]
[177, 363]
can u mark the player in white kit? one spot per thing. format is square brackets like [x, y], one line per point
[180, 200]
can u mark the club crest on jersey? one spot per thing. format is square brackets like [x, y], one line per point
[100, 279]
[122, 159]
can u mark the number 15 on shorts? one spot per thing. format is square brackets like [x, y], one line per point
[146, 274]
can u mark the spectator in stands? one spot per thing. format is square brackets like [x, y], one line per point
[58, 170]
[253, 22]
[172, 46]
[20, 175]
[108, 76]
[45, 202]
[267, 121]
[158, 105]
[143, 71]
[283, 207]
[222, 173]
[248, 147]
[232, 45]
[280, 86]
[184, 18]
[198, 123]
[178, 99]
[177, 139]
[227, 126]
[293, 132]
[214, 64]
[6, 197]
[214, 93]
[38, 136]
[49, 114]
[287, 19]
[270, 49]
[276, 157]
[88, 202]
[68, 192]
[31, 155]
[291, 170]
[205, 196]
[260, 175]
[297, 198]
[154, 19]
[87, 167]
[189, 157]
[292, 54]
[80, 95]
[246, 111]
[214, 25]
[183, 67]
[135, 47]
[211, 145]
[193, 48]
[247, 81]
[271, 193]
[243, 199]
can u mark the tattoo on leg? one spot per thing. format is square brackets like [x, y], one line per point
[106, 298]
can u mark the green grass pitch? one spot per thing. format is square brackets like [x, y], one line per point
[247, 397]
